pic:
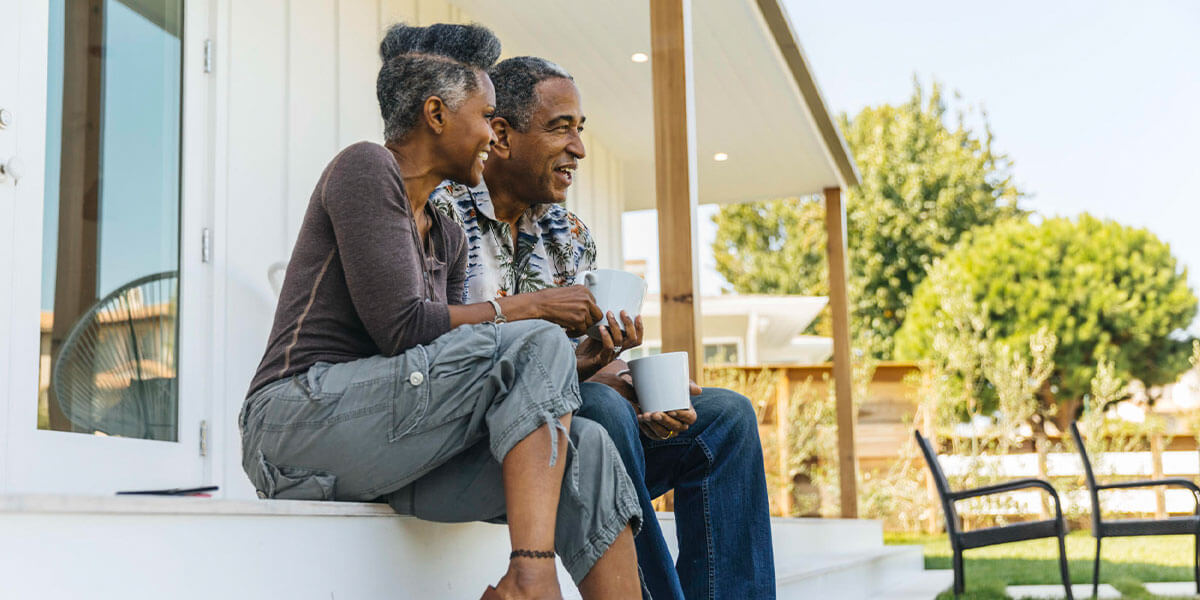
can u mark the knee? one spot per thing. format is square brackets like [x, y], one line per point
[735, 412]
[546, 335]
[609, 409]
[547, 341]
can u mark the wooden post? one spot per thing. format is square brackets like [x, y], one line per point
[675, 176]
[1042, 447]
[783, 409]
[928, 422]
[1156, 466]
[839, 304]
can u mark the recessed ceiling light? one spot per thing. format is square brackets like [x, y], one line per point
[639, 57]
[720, 157]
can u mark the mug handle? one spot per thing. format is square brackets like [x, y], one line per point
[589, 279]
[623, 372]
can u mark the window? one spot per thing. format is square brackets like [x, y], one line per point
[723, 353]
[110, 255]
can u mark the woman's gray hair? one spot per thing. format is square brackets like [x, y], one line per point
[516, 81]
[440, 60]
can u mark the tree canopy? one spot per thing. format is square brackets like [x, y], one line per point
[1111, 294]
[924, 183]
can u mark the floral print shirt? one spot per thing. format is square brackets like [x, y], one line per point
[552, 245]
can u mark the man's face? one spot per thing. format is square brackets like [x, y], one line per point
[543, 158]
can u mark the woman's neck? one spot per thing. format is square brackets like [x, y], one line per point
[416, 169]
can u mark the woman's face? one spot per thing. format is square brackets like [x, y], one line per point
[468, 136]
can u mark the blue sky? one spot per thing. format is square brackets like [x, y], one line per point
[1096, 103]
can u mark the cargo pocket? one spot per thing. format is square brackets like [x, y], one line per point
[410, 400]
[282, 482]
[473, 349]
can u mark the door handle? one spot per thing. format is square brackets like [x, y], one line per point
[13, 169]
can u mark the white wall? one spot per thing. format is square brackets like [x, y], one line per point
[295, 83]
[597, 197]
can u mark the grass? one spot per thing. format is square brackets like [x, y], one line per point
[1124, 562]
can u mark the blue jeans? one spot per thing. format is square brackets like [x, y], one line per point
[716, 469]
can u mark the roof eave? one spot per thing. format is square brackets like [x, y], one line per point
[776, 19]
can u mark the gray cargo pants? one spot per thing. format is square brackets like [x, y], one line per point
[428, 429]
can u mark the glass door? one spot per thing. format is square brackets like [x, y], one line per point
[112, 313]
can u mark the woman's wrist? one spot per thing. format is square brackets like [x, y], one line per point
[517, 308]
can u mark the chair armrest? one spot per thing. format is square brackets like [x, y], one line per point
[1009, 486]
[1172, 482]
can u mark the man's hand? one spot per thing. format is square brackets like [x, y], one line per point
[573, 308]
[654, 425]
[591, 355]
[665, 425]
[622, 384]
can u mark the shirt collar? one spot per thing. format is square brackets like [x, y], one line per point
[483, 203]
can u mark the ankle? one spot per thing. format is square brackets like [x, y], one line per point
[532, 573]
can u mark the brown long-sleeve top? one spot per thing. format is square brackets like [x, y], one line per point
[355, 285]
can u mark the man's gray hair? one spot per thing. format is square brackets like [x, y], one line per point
[515, 80]
[440, 60]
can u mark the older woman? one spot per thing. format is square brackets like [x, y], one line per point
[377, 383]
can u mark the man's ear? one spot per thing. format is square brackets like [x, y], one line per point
[501, 128]
[434, 112]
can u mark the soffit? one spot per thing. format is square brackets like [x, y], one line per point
[748, 104]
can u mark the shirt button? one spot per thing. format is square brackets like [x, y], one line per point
[416, 378]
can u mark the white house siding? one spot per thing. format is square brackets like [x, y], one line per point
[295, 83]
[597, 197]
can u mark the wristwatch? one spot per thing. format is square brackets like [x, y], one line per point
[500, 318]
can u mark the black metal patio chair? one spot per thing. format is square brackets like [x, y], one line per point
[1102, 528]
[990, 536]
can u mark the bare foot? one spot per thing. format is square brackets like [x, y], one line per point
[530, 579]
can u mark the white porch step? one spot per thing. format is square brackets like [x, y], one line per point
[845, 576]
[183, 548]
[791, 536]
[925, 585]
[843, 559]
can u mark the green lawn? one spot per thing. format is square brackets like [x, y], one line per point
[1124, 561]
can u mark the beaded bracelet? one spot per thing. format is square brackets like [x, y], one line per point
[531, 554]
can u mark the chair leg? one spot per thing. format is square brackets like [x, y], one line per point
[1096, 570]
[1196, 562]
[959, 583]
[1063, 567]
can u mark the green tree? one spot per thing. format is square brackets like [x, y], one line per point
[1111, 294]
[924, 183]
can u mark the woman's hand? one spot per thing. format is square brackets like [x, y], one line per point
[573, 308]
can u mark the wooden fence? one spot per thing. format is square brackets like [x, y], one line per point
[883, 427]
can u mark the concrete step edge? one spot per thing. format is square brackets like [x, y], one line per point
[845, 562]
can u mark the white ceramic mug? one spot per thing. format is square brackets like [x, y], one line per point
[661, 381]
[614, 291]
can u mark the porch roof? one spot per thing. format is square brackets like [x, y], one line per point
[756, 99]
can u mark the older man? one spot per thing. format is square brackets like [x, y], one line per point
[521, 239]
